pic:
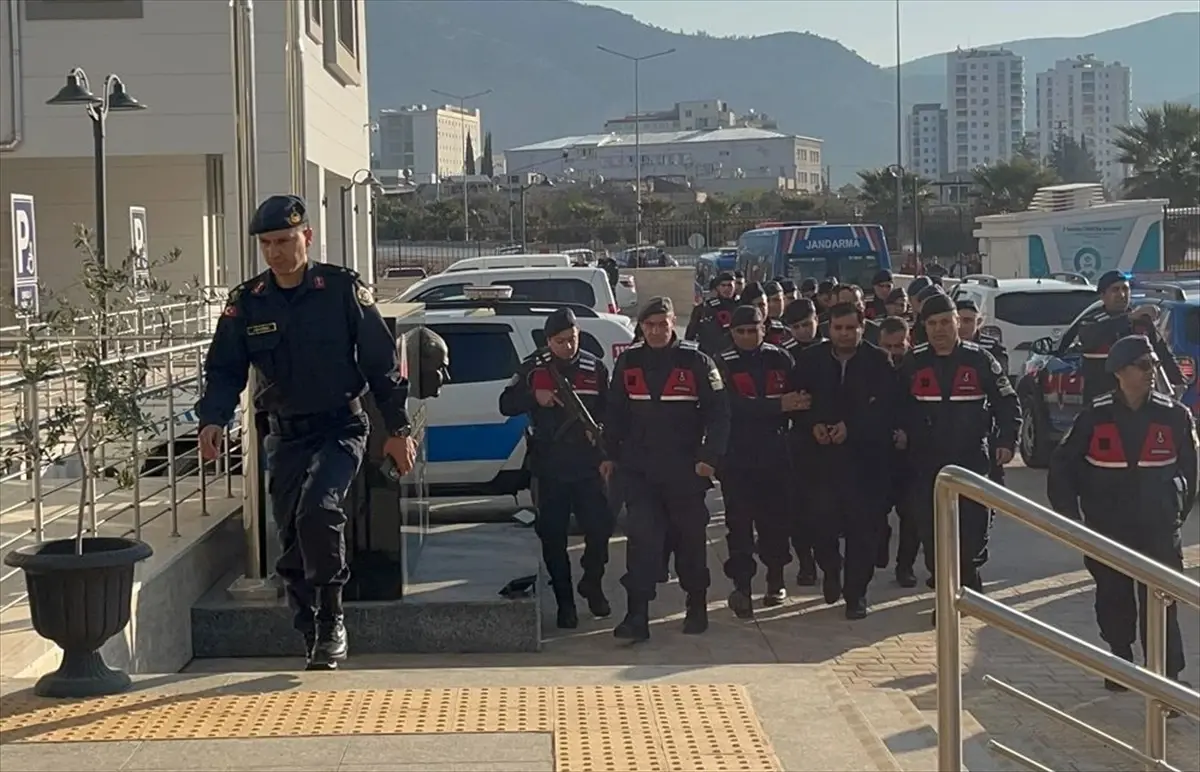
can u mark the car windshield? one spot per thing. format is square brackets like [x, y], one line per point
[1041, 309]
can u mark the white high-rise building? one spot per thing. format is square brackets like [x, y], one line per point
[428, 140]
[1088, 100]
[985, 106]
[927, 141]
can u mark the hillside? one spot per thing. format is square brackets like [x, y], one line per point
[539, 57]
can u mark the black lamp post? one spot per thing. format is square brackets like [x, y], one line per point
[898, 172]
[77, 91]
[368, 179]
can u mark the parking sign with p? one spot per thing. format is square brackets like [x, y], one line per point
[140, 257]
[25, 267]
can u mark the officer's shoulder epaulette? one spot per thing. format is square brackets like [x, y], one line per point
[729, 355]
[637, 344]
[920, 348]
[772, 348]
[789, 344]
[689, 345]
[332, 269]
[971, 345]
[587, 360]
[714, 302]
[987, 341]
[1101, 400]
[1162, 400]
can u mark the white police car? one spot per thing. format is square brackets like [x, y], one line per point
[471, 448]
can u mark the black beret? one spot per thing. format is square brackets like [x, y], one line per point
[808, 285]
[938, 303]
[654, 306]
[772, 288]
[738, 275]
[896, 295]
[278, 213]
[929, 292]
[966, 304]
[559, 320]
[1108, 279]
[935, 279]
[884, 276]
[746, 315]
[752, 292]
[788, 286]
[827, 286]
[724, 276]
[798, 311]
[918, 284]
[1128, 350]
[712, 284]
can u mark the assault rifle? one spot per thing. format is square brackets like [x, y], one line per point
[575, 408]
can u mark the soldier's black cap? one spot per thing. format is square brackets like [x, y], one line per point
[746, 315]
[918, 284]
[654, 306]
[966, 304]
[739, 275]
[938, 303]
[896, 295]
[724, 276]
[1109, 278]
[752, 292]
[278, 213]
[788, 286]
[712, 284]
[935, 279]
[808, 285]
[827, 286]
[929, 292]
[1128, 350]
[883, 277]
[561, 319]
[772, 288]
[799, 311]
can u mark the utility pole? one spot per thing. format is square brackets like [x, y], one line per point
[899, 142]
[637, 128]
[462, 115]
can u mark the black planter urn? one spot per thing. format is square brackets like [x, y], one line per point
[79, 602]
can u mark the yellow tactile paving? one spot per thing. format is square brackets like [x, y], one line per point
[650, 728]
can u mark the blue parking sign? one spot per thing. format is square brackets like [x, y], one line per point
[25, 267]
[141, 259]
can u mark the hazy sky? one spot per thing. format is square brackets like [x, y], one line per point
[927, 26]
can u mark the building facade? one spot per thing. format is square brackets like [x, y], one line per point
[927, 141]
[1088, 100]
[716, 160]
[176, 158]
[428, 140]
[696, 115]
[985, 106]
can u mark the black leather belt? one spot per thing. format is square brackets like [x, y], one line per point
[311, 422]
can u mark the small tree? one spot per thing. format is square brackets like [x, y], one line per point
[83, 340]
[1072, 161]
[487, 164]
[470, 159]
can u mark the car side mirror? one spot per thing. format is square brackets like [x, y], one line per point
[1043, 346]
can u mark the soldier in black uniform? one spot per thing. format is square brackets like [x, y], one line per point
[709, 325]
[969, 321]
[853, 422]
[776, 330]
[882, 285]
[918, 302]
[826, 297]
[801, 319]
[808, 288]
[956, 392]
[667, 428]
[1108, 324]
[789, 291]
[894, 339]
[1128, 466]
[757, 377]
[739, 284]
[897, 303]
[317, 343]
[565, 461]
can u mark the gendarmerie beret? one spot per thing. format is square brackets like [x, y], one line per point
[966, 304]
[746, 315]
[929, 292]
[724, 276]
[788, 286]
[752, 292]
[827, 286]
[798, 311]
[938, 303]
[918, 284]
[278, 213]
[1109, 278]
[896, 295]
[655, 306]
[883, 277]
[559, 320]
[808, 285]
[772, 288]
[1128, 350]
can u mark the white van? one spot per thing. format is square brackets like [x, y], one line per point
[492, 262]
[583, 286]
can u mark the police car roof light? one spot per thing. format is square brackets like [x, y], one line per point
[488, 292]
[982, 278]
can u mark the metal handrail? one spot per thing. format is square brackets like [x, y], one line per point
[954, 600]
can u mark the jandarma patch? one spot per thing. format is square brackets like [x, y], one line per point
[262, 329]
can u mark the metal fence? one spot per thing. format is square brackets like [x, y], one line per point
[1181, 239]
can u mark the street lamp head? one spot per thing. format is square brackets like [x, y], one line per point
[75, 92]
[119, 99]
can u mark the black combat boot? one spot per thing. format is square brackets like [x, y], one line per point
[696, 620]
[591, 590]
[807, 575]
[905, 576]
[568, 617]
[635, 626]
[1125, 653]
[740, 602]
[856, 608]
[831, 587]
[776, 593]
[330, 646]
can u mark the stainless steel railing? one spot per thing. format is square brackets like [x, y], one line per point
[954, 600]
[126, 483]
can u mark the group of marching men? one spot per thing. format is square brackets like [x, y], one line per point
[819, 411]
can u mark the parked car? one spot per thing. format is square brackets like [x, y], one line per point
[565, 284]
[1051, 387]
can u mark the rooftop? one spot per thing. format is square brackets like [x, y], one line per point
[739, 134]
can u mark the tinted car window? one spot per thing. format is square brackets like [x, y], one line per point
[587, 342]
[1041, 309]
[444, 292]
[556, 290]
[1191, 325]
[479, 352]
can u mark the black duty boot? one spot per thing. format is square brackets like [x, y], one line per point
[776, 594]
[591, 591]
[696, 620]
[740, 602]
[905, 576]
[807, 575]
[1125, 653]
[856, 608]
[635, 626]
[330, 646]
[568, 617]
[831, 587]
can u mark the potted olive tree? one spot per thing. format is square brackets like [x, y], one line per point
[81, 587]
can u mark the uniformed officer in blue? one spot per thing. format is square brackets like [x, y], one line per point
[317, 344]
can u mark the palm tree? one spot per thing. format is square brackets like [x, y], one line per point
[1009, 186]
[877, 193]
[1164, 154]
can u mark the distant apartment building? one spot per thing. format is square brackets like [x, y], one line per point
[719, 160]
[697, 115]
[1088, 100]
[429, 140]
[985, 106]
[927, 141]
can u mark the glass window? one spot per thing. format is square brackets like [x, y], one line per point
[1041, 309]
[479, 353]
[587, 342]
[444, 292]
[1191, 325]
[552, 290]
